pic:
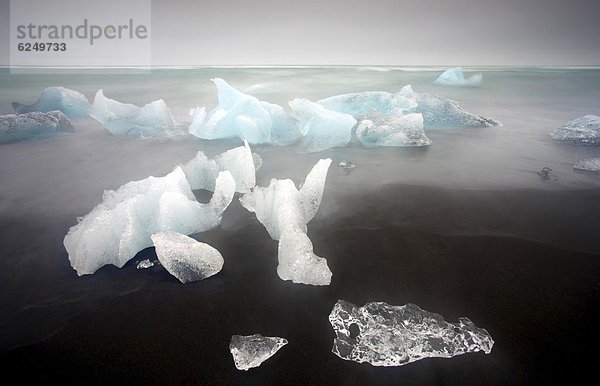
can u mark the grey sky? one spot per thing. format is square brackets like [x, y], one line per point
[401, 32]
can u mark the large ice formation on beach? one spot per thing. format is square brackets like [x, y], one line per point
[185, 258]
[385, 335]
[201, 171]
[455, 77]
[580, 131]
[72, 103]
[438, 112]
[404, 130]
[252, 350]
[284, 211]
[244, 116]
[321, 128]
[21, 127]
[121, 226]
[588, 165]
[152, 119]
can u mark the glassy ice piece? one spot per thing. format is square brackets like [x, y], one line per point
[580, 131]
[370, 104]
[455, 77]
[145, 264]
[284, 130]
[252, 350]
[72, 103]
[321, 128]
[119, 227]
[202, 171]
[153, 119]
[588, 165]
[385, 335]
[404, 130]
[347, 165]
[21, 127]
[284, 211]
[185, 258]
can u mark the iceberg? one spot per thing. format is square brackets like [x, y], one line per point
[455, 77]
[122, 224]
[201, 171]
[72, 103]
[321, 128]
[252, 350]
[153, 119]
[21, 127]
[284, 211]
[580, 131]
[588, 165]
[404, 130]
[244, 116]
[385, 335]
[185, 258]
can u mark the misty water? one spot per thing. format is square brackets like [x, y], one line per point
[46, 184]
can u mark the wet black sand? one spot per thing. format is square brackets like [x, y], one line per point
[524, 264]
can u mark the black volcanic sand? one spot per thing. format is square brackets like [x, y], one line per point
[524, 264]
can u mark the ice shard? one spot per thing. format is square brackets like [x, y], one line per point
[320, 127]
[455, 77]
[201, 171]
[252, 350]
[385, 335]
[185, 258]
[580, 131]
[119, 227]
[152, 119]
[72, 103]
[588, 165]
[21, 127]
[284, 211]
[404, 130]
[244, 116]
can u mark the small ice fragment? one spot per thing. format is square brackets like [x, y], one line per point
[347, 165]
[21, 127]
[455, 77]
[72, 103]
[185, 258]
[545, 173]
[252, 350]
[580, 131]
[386, 335]
[588, 165]
[145, 264]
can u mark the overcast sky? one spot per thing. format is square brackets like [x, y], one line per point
[395, 32]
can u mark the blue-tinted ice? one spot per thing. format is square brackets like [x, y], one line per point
[72, 103]
[455, 77]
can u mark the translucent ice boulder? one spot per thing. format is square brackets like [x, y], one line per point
[152, 119]
[404, 130]
[21, 127]
[321, 128]
[121, 226]
[244, 116]
[252, 350]
[455, 77]
[588, 165]
[185, 258]
[580, 131]
[385, 335]
[72, 103]
[284, 211]
[202, 171]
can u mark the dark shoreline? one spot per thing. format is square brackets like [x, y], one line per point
[523, 264]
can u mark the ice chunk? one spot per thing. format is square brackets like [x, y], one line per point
[588, 165]
[145, 264]
[119, 227]
[580, 131]
[72, 103]
[201, 171]
[198, 117]
[347, 165]
[185, 258]
[252, 350]
[404, 130]
[385, 335]
[20, 127]
[153, 119]
[284, 211]
[455, 77]
[370, 104]
[320, 127]
[244, 116]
